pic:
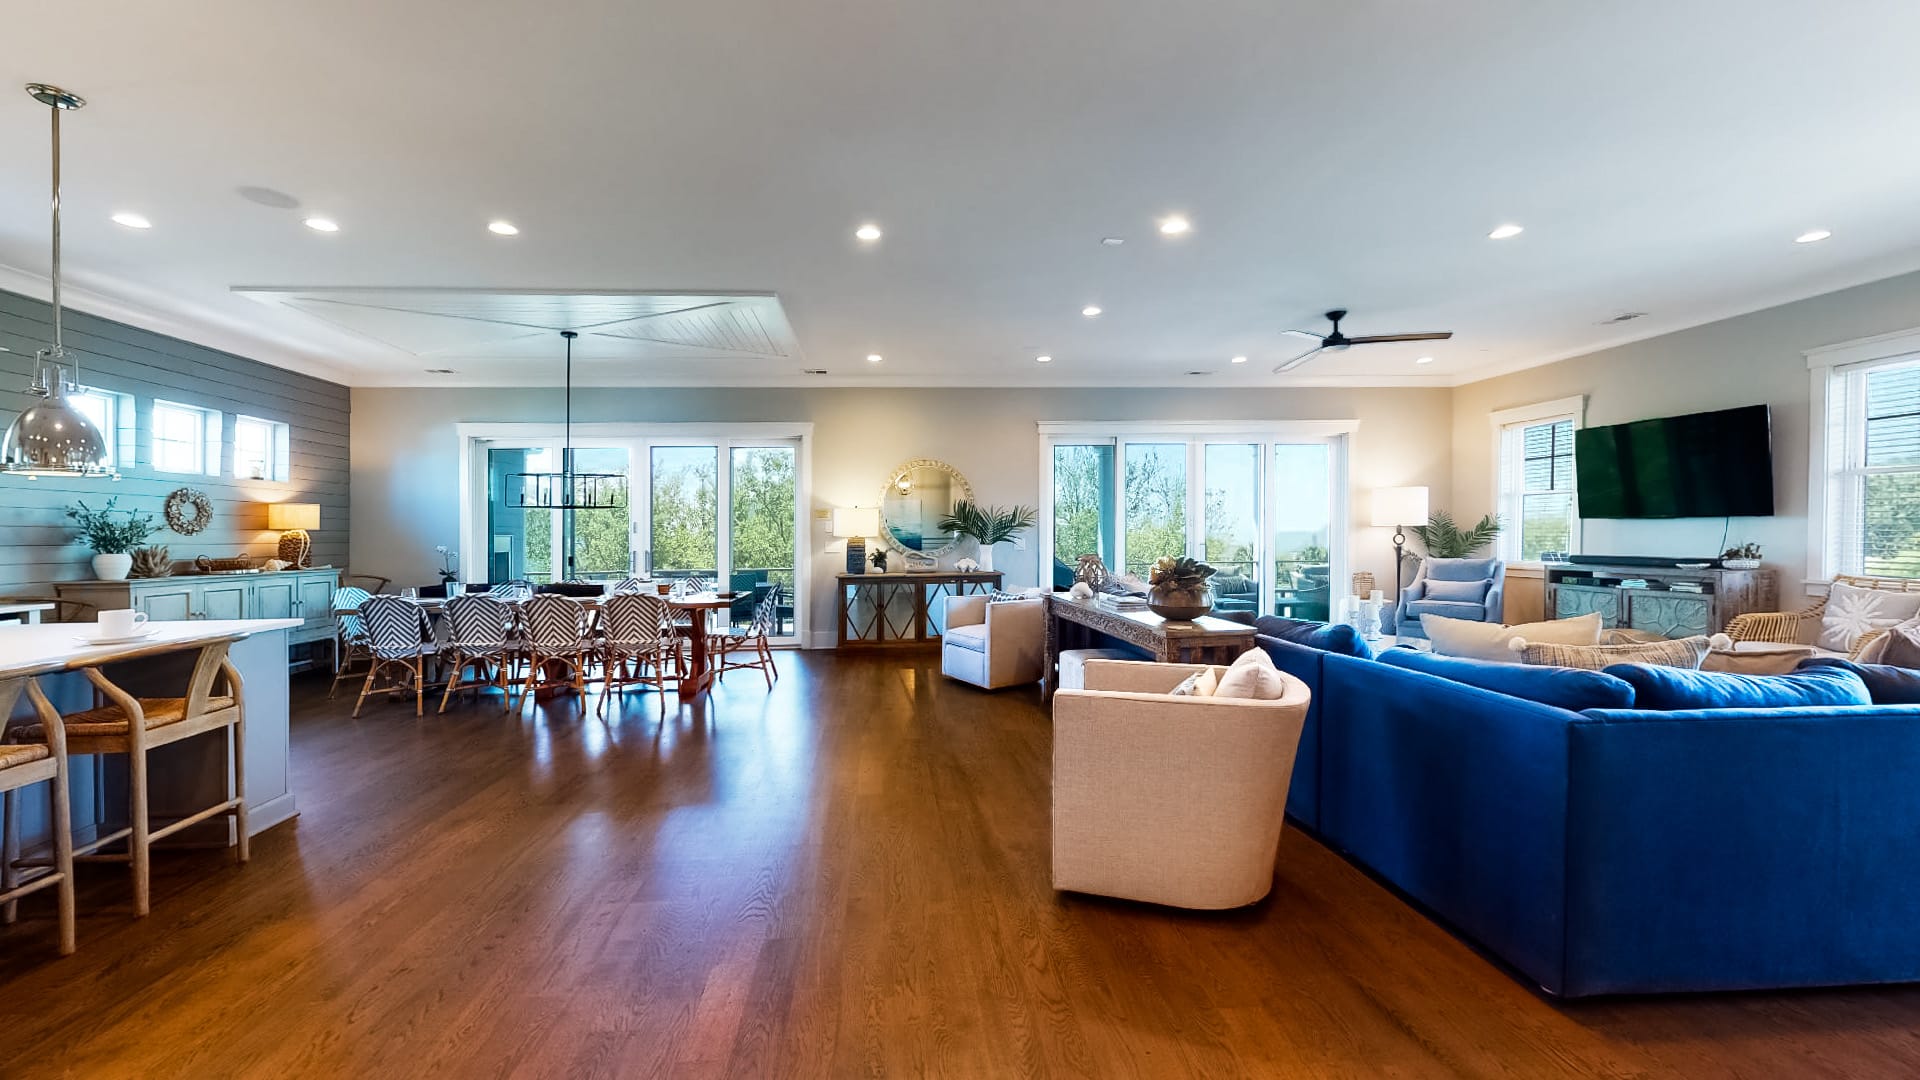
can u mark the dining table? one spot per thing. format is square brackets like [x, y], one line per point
[700, 670]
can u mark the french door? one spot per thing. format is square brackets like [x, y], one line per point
[726, 510]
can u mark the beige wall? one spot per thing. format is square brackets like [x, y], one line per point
[1749, 359]
[406, 455]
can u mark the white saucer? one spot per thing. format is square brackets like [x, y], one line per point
[143, 635]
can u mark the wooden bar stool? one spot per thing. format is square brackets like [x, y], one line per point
[138, 726]
[23, 764]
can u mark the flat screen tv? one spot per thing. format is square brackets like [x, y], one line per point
[1711, 464]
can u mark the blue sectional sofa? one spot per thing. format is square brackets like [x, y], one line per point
[1598, 848]
[1300, 649]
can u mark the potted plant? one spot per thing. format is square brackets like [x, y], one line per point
[111, 539]
[1445, 540]
[1178, 589]
[1744, 557]
[449, 559]
[988, 525]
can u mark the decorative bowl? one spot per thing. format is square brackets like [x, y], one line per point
[1180, 605]
[1740, 564]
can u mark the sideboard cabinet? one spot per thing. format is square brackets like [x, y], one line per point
[306, 595]
[1574, 589]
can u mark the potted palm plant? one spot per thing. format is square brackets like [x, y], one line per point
[988, 525]
[1178, 588]
[111, 539]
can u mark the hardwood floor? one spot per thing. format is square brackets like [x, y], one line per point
[846, 876]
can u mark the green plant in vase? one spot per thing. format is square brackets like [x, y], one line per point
[1445, 540]
[1178, 588]
[988, 525]
[111, 538]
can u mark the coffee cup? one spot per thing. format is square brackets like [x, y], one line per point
[121, 622]
[664, 587]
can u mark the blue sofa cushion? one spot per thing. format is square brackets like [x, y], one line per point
[1566, 688]
[1886, 684]
[1464, 592]
[1671, 689]
[1327, 637]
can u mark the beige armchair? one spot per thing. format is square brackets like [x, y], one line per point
[994, 645]
[1170, 800]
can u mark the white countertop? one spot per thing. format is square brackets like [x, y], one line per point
[40, 648]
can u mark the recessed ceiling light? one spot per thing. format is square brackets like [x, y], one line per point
[132, 221]
[1505, 232]
[1091, 311]
[1813, 236]
[1424, 360]
[320, 224]
[503, 228]
[1175, 225]
[1239, 359]
[873, 358]
[1043, 359]
[1113, 241]
[868, 232]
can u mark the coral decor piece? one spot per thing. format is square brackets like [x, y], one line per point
[152, 562]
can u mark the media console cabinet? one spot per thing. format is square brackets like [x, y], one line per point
[1579, 588]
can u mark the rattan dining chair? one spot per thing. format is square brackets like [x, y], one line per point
[727, 648]
[350, 641]
[399, 641]
[559, 634]
[23, 764]
[479, 629]
[517, 589]
[639, 645]
[633, 585]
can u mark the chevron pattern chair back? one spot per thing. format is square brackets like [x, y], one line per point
[554, 623]
[635, 619]
[394, 625]
[687, 586]
[766, 615]
[346, 614]
[512, 590]
[633, 585]
[478, 623]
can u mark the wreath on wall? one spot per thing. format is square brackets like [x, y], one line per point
[188, 511]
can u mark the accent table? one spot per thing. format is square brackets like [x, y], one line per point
[1205, 640]
[903, 608]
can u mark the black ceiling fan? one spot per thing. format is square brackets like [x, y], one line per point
[1336, 341]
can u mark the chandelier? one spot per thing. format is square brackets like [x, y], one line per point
[567, 489]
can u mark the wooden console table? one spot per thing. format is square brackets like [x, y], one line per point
[905, 608]
[1205, 640]
[1579, 588]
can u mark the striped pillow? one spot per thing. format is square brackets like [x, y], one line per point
[1680, 652]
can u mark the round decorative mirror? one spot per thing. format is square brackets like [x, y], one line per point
[917, 496]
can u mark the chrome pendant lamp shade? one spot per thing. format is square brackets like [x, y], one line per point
[568, 489]
[50, 437]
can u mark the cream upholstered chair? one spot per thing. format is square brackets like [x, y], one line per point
[994, 645]
[1170, 800]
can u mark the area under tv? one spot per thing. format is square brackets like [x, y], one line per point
[1638, 593]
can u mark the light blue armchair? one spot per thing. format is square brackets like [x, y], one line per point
[1468, 589]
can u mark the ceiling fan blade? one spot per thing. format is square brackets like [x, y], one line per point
[1305, 334]
[1298, 360]
[1377, 339]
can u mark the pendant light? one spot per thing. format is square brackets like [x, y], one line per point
[52, 438]
[567, 489]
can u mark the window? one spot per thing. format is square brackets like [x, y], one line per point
[186, 439]
[1873, 486]
[103, 409]
[261, 449]
[1537, 507]
[1083, 519]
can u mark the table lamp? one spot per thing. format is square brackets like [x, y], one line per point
[855, 524]
[293, 520]
[1396, 508]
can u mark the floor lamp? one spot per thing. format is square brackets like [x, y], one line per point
[1396, 508]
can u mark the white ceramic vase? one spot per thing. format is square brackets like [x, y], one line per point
[112, 567]
[984, 556]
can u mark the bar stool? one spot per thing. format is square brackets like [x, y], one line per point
[22, 765]
[138, 726]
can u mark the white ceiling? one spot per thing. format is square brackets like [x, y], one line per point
[1661, 155]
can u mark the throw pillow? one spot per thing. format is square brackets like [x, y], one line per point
[1001, 596]
[1852, 611]
[1202, 683]
[1252, 676]
[1565, 688]
[1756, 658]
[1490, 641]
[1463, 592]
[1682, 652]
[1673, 689]
[1886, 685]
[1901, 646]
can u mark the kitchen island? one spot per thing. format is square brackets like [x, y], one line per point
[186, 775]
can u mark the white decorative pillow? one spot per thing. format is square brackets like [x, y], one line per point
[1252, 676]
[1853, 611]
[1491, 641]
[1201, 683]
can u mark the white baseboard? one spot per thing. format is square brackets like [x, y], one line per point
[823, 639]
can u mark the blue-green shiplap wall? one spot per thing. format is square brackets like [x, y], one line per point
[36, 539]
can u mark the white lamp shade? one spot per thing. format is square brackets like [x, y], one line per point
[851, 521]
[1396, 506]
[284, 516]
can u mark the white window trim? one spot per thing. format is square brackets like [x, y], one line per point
[1196, 434]
[1573, 408]
[212, 444]
[281, 466]
[122, 437]
[1825, 364]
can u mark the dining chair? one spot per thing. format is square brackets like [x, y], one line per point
[350, 641]
[479, 628]
[725, 648]
[638, 635]
[633, 585]
[23, 764]
[559, 636]
[517, 589]
[400, 645]
[136, 728]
